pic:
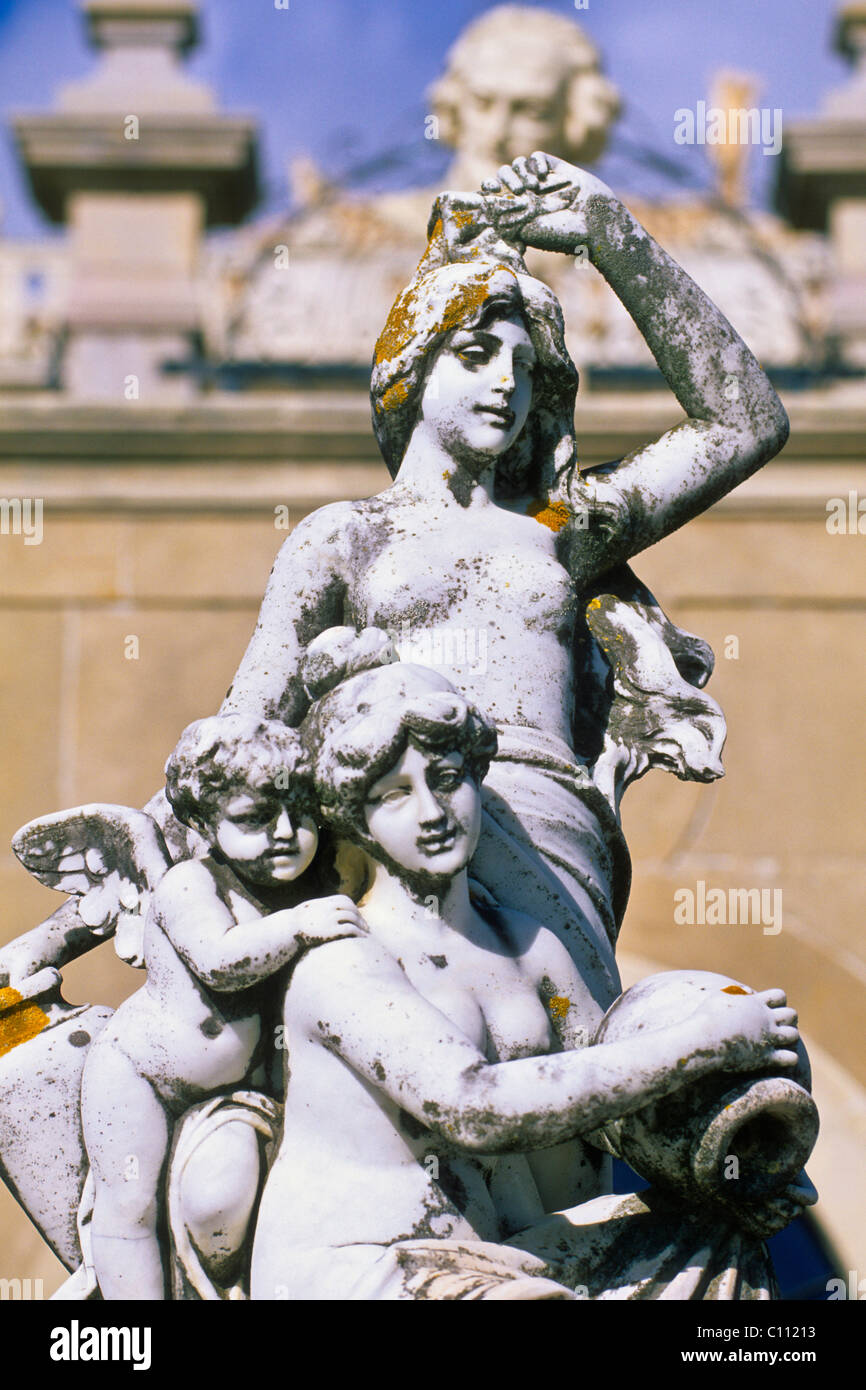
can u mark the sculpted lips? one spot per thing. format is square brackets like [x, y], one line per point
[435, 844]
[499, 413]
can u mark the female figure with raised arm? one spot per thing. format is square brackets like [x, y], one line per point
[494, 560]
[437, 1107]
[497, 559]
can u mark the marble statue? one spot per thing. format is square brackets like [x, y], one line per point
[194, 1026]
[460, 1114]
[382, 1050]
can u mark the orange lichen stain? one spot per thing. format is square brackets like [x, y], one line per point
[395, 395]
[19, 1020]
[559, 1005]
[466, 300]
[554, 515]
[735, 989]
[399, 327]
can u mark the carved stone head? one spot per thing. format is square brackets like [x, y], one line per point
[522, 79]
[468, 278]
[401, 723]
[245, 784]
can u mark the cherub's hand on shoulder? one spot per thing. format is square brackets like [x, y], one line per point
[326, 919]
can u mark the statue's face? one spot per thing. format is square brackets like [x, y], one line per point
[477, 396]
[425, 814]
[511, 108]
[516, 110]
[265, 839]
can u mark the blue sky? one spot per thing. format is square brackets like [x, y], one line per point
[345, 80]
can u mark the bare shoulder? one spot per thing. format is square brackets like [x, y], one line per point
[188, 886]
[331, 527]
[346, 968]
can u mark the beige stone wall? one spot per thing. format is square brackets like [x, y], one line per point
[175, 551]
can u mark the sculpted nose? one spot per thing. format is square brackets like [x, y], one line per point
[429, 809]
[284, 830]
[504, 381]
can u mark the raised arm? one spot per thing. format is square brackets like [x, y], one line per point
[354, 998]
[229, 955]
[304, 596]
[736, 421]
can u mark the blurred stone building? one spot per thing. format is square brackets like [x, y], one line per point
[174, 402]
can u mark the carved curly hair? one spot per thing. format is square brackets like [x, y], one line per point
[361, 726]
[230, 753]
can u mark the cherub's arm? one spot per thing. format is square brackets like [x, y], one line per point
[304, 596]
[227, 955]
[736, 421]
[354, 998]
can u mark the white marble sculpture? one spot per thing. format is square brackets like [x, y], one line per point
[381, 1051]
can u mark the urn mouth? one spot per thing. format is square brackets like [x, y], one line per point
[755, 1141]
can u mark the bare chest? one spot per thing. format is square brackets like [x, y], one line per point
[489, 1000]
[430, 569]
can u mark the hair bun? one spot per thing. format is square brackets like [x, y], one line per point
[342, 652]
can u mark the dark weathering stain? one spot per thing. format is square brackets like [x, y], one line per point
[461, 487]
[439, 961]
[211, 1027]
[412, 1127]
[324, 611]
[453, 1188]
[379, 1070]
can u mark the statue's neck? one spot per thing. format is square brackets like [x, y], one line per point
[430, 470]
[429, 908]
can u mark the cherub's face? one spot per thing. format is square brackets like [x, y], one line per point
[426, 813]
[263, 837]
[477, 396]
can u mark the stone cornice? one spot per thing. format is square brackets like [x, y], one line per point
[308, 449]
[212, 155]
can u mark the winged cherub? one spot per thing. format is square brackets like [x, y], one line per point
[207, 930]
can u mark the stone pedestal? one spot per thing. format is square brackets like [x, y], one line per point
[137, 163]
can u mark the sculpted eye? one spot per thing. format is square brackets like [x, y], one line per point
[392, 796]
[254, 818]
[452, 777]
[476, 355]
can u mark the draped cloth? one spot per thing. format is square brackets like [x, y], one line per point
[634, 1247]
[190, 1278]
[551, 846]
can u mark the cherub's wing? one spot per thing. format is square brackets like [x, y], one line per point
[110, 857]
